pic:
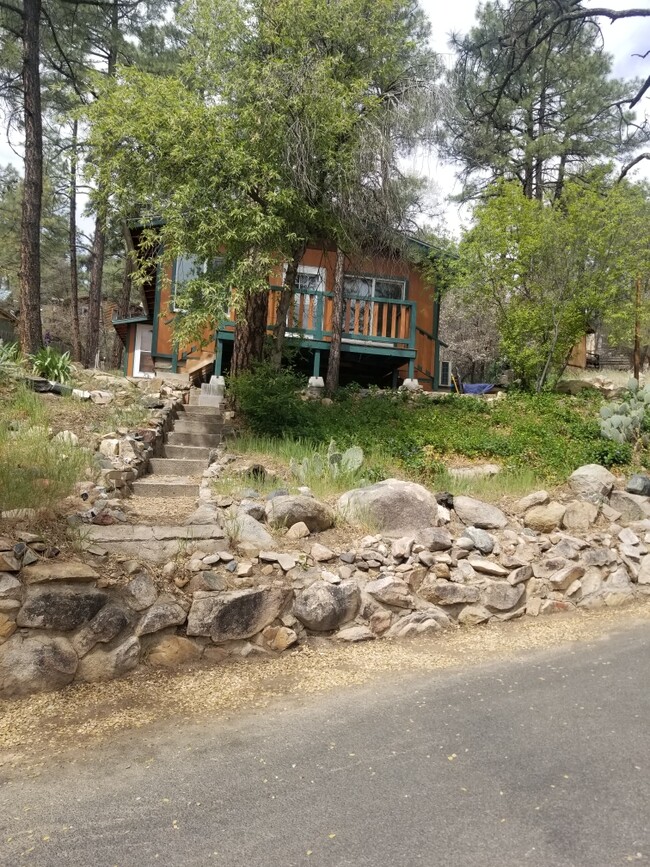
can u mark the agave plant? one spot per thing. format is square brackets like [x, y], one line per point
[52, 364]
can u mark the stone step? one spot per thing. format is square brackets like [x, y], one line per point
[206, 440]
[199, 453]
[156, 544]
[177, 466]
[166, 486]
[194, 410]
[193, 426]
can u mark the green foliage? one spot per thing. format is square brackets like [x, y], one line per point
[335, 464]
[270, 400]
[626, 421]
[35, 470]
[52, 364]
[10, 359]
[546, 271]
[546, 435]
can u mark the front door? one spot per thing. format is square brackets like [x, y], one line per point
[142, 360]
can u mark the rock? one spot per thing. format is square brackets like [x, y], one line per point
[104, 627]
[434, 538]
[501, 595]
[247, 531]
[286, 562]
[442, 592]
[205, 515]
[391, 591]
[477, 471]
[545, 519]
[268, 557]
[523, 573]
[67, 437]
[140, 592]
[160, 616]
[353, 634]
[233, 615]
[391, 505]
[631, 506]
[417, 623]
[483, 541]
[618, 588]
[537, 498]
[639, 485]
[628, 537]
[253, 508]
[321, 554]
[170, 651]
[284, 511]
[7, 625]
[106, 663]
[401, 548]
[592, 582]
[278, 638]
[475, 513]
[299, 530]
[323, 607]
[488, 567]
[644, 571]
[565, 577]
[8, 563]
[472, 615]
[35, 663]
[10, 587]
[579, 516]
[207, 581]
[58, 570]
[61, 608]
[380, 621]
[592, 482]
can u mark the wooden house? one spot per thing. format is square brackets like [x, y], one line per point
[8, 326]
[390, 327]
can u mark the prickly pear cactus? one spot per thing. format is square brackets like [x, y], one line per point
[623, 422]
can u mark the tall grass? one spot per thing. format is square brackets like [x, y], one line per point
[35, 471]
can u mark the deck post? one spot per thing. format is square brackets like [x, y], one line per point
[411, 368]
[316, 372]
[219, 359]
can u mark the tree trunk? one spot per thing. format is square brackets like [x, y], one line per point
[74, 274]
[30, 327]
[95, 291]
[250, 331]
[122, 307]
[284, 305]
[637, 330]
[99, 239]
[334, 363]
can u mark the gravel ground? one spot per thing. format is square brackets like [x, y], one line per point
[55, 725]
[159, 510]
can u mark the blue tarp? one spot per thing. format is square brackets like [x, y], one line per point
[477, 387]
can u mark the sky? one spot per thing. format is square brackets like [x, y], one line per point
[623, 39]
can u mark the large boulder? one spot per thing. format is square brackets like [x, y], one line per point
[592, 482]
[391, 591]
[105, 663]
[36, 663]
[60, 607]
[502, 595]
[579, 516]
[104, 627]
[172, 650]
[631, 506]
[249, 532]
[323, 607]
[284, 511]
[45, 571]
[475, 513]
[640, 485]
[160, 616]
[233, 615]
[392, 505]
[442, 592]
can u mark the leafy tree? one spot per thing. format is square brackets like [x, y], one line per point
[539, 110]
[546, 271]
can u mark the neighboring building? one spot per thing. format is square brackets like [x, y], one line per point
[8, 326]
[595, 350]
[390, 329]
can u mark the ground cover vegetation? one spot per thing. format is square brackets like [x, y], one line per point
[535, 438]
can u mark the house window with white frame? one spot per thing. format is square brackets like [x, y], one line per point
[363, 292]
[309, 279]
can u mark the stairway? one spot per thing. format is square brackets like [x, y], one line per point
[196, 431]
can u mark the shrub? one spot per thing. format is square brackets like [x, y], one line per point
[52, 364]
[9, 358]
[271, 402]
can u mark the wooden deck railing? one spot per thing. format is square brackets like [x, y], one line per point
[376, 321]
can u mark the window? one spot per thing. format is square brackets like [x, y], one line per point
[188, 268]
[445, 374]
[310, 280]
[378, 319]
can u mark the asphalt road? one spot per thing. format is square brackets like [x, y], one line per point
[541, 761]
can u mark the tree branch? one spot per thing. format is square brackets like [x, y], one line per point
[629, 166]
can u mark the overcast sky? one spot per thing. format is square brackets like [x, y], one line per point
[623, 39]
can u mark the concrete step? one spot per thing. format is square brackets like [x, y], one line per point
[195, 426]
[206, 440]
[198, 453]
[166, 486]
[177, 466]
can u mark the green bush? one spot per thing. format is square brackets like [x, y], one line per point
[271, 402]
[52, 364]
